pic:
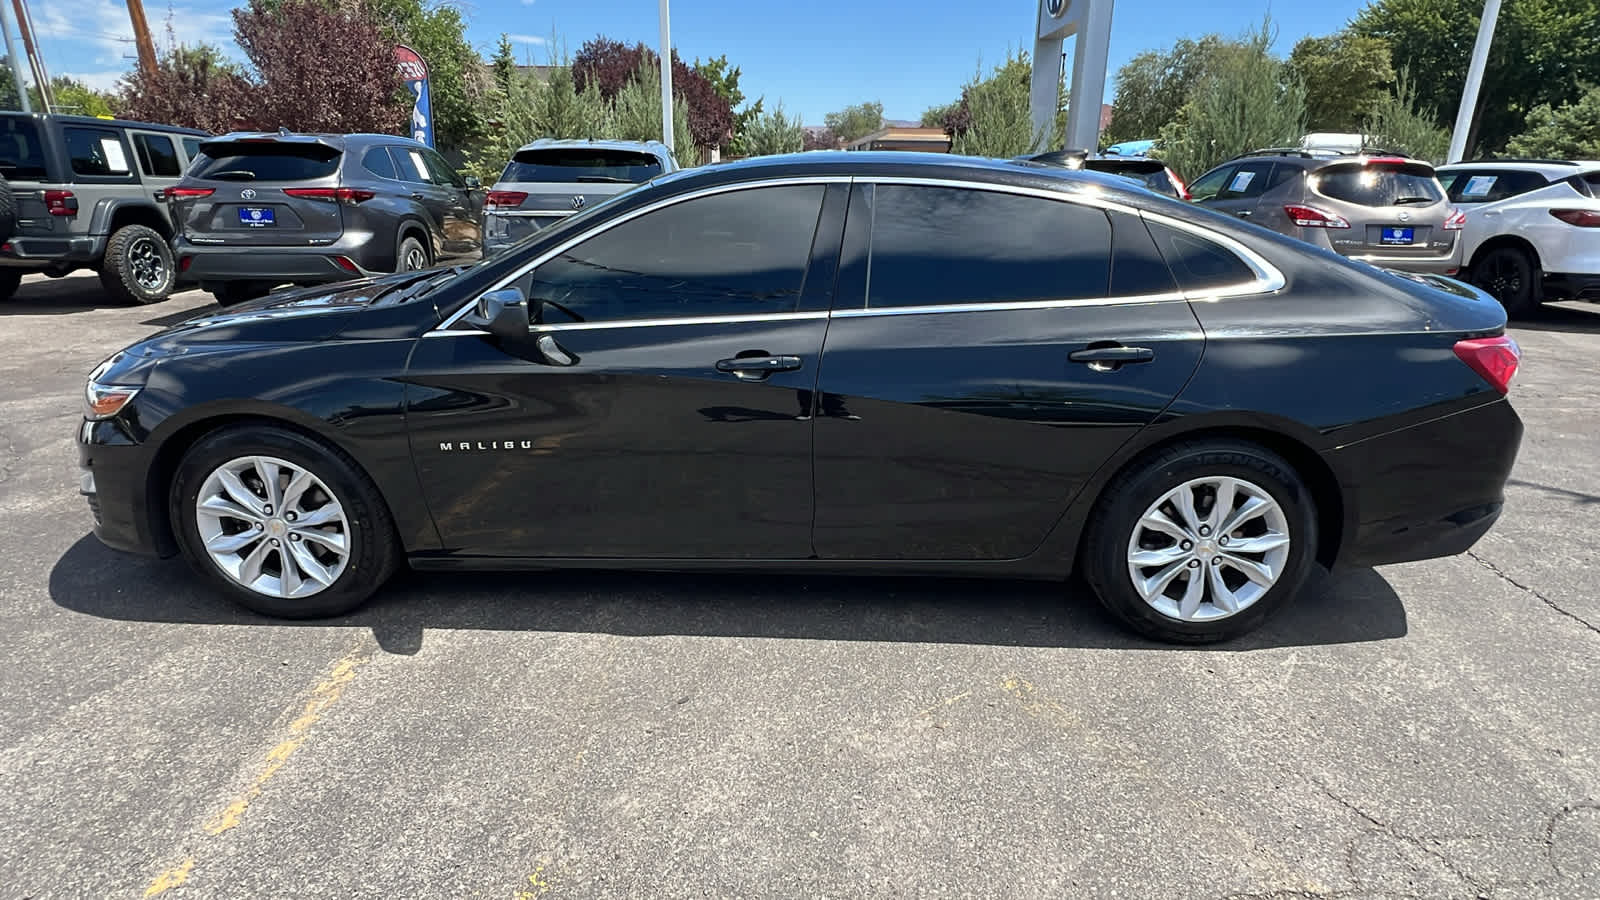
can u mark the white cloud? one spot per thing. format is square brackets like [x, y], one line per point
[76, 33]
[533, 39]
[100, 81]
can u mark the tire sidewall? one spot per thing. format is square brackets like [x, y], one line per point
[401, 252]
[119, 267]
[370, 531]
[1128, 497]
[1525, 299]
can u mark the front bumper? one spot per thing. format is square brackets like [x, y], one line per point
[113, 476]
[300, 265]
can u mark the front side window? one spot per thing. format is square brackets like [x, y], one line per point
[1207, 186]
[191, 147]
[1488, 185]
[411, 165]
[158, 157]
[736, 253]
[443, 173]
[934, 246]
[96, 152]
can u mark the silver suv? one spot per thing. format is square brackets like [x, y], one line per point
[550, 179]
[1380, 208]
[89, 194]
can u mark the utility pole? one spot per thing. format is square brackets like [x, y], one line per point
[16, 63]
[141, 37]
[1469, 93]
[666, 81]
[25, 27]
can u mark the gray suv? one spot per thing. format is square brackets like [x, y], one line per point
[1378, 207]
[550, 179]
[259, 210]
[90, 194]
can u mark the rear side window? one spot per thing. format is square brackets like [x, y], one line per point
[377, 162]
[265, 161]
[1587, 185]
[581, 165]
[411, 165]
[96, 152]
[1199, 264]
[21, 151]
[1379, 184]
[939, 246]
[158, 157]
[1248, 180]
[1487, 186]
[1137, 268]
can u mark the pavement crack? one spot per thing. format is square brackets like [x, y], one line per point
[1503, 576]
[1420, 843]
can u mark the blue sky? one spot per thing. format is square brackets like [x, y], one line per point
[815, 55]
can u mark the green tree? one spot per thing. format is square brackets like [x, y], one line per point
[76, 97]
[636, 114]
[1395, 123]
[1246, 100]
[725, 81]
[935, 116]
[503, 69]
[855, 121]
[1345, 75]
[455, 84]
[994, 116]
[1154, 85]
[773, 132]
[523, 109]
[1569, 131]
[1544, 52]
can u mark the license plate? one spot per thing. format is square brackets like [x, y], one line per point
[1398, 236]
[261, 217]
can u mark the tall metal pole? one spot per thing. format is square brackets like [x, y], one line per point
[25, 28]
[141, 37]
[666, 80]
[16, 63]
[1469, 94]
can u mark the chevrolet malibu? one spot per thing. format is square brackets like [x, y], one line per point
[852, 362]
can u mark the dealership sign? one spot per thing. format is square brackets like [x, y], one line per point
[414, 72]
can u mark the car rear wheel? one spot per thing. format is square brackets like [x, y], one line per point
[10, 280]
[282, 524]
[1511, 276]
[1201, 542]
[413, 256]
[138, 266]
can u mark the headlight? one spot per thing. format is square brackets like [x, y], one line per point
[102, 401]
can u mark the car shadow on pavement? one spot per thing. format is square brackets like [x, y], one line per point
[1573, 318]
[1348, 606]
[58, 297]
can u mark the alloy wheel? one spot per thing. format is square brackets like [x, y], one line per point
[273, 526]
[1505, 278]
[415, 260]
[1208, 549]
[148, 267]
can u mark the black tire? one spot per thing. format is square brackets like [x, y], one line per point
[1105, 557]
[374, 550]
[8, 211]
[232, 293]
[410, 252]
[138, 267]
[1512, 276]
[10, 280]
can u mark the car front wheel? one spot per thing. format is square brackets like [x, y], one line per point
[1201, 542]
[282, 524]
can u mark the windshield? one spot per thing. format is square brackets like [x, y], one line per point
[573, 165]
[21, 153]
[265, 161]
[1380, 184]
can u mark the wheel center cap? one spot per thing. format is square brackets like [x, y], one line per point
[277, 528]
[1206, 548]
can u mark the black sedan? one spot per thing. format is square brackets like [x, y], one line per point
[849, 362]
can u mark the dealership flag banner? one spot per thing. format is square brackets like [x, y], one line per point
[415, 74]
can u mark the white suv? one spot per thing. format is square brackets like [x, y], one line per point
[1532, 231]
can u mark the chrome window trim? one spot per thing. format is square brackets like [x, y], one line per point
[1269, 279]
[531, 212]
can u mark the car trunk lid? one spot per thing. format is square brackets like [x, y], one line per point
[1395, 207]
[548, 184]
[268, 192]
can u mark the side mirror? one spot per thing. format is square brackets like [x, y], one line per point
[502, 313]
[472, 182]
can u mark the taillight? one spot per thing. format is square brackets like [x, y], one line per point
[1311, 217]
[183, 193]
[1183, 189]
[1456, 220]
[60, 203]
[1495, 358]
[504, 199]
[343, 194]
[347, 264]
[1583, 218]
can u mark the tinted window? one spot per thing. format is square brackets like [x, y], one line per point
[411, 165]
[21, 152]
[377, 162]
[738, 253]
[935, 246]
[1248, 180]
[96, 152]
[1207, 185]
[157, 155]
[1487, 186]
[1136, 265]
[1197, 263]
[1379, 185]
[442, 172]
[266, 161]
[191, 147]
[572, 165]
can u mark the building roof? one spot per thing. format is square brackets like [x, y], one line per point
[900, 135]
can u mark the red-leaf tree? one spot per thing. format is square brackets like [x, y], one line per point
[190, 86]
[321, 67]
[609, 65]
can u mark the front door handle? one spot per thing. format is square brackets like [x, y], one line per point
[419, 196]
[1243, 213]
[1111, 358]
[757, 368]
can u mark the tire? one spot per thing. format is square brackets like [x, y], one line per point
[10, 280]
[1512, 276]
[138, 267]
[8, 211]
[232, 293]
[412, 255]
[358, 514]
[1118, 528]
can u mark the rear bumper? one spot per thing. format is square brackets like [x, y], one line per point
[301, 265]
[1577, 287]
[25, 252]
[1426, 491]
[1426, 265]
[501, 230]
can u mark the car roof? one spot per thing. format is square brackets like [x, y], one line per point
[326, 139]
[1551, 168]
[655, 147]
[70, 119]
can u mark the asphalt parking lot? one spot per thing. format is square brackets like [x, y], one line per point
[1426, 730]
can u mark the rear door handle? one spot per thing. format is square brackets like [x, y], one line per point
[757, 368]
[1106, 359]
[419, 196]
[1243, 213]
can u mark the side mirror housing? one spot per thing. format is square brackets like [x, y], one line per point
[502, 313]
